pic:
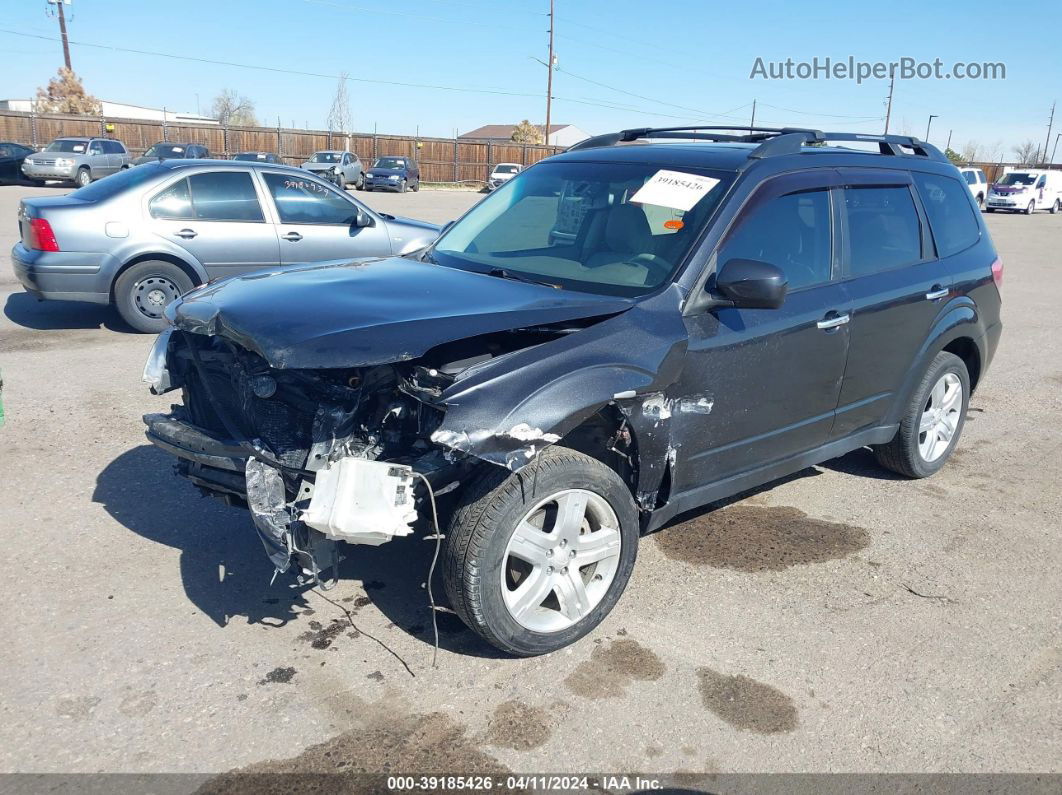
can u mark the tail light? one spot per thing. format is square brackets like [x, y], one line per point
[42, 238]
[997, 273]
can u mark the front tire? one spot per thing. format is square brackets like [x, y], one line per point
[1030, 208]
[83, 178]
[416, 186]
[933, 421]
[402, 186]
[143, 292]
[536, 560]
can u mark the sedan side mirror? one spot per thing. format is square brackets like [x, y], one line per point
[364, 219]
[752, 284]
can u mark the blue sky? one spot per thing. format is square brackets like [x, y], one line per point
[622, 63]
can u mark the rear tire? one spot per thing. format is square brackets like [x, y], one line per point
[1055, 207]
[143, 292]
[484, 567]
[360, 184]
[933, 421]
[83, 178]
[980, 201]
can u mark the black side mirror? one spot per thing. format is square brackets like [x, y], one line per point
[751, 284]
[364, 219]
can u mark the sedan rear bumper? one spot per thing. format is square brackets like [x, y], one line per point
[63, 275]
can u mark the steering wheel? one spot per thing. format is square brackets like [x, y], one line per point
[652, 262]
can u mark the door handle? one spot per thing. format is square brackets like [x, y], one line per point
[187, 234]
[937, 293]
[833, 322]
[294, 237]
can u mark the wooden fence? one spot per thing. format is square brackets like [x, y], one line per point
[440, 159]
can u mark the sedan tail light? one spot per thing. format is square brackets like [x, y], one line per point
[997, 273]
[42, 238]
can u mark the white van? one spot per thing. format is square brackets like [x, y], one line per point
[977, 182]
[1025, 190]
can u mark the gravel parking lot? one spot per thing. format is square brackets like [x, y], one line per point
[841, 620]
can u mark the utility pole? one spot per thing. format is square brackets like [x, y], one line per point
[888, 107]
[549, 73]
[62, 29]
[930, 124]
[1050, 124]
[752, 121]
[947, 146]
[1055, 147]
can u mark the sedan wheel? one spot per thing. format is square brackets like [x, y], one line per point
[143, 292]
[402, 187]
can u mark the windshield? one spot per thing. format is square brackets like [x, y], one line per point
[109, 186]
[165, 150]
[506, 168]
[390, 162]
[326, 157]
[1017, 178]
[587, 226]
[64, 145]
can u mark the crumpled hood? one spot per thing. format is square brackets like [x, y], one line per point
[319, 166]
[359, 313]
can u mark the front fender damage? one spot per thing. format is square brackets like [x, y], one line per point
[507, 411]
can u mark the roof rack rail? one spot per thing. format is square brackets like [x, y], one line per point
[772, 141]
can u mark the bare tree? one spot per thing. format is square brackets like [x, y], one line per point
[231, 108]
[526, 133]
[1027, 153]
[65, 94]
[339, 114]
[974, 152]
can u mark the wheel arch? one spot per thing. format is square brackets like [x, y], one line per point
[195, 274]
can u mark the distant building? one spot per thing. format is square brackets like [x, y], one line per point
[559, 134]
[120, 110]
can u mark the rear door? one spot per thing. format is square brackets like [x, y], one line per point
[99, 162]
[217, 216]
[761, 385]
[318, 222]
[896, 285]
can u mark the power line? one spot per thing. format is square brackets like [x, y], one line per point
[823, 115]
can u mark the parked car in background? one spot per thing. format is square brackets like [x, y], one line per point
[78, 160]
[342, 168]
[257, 157]
[1025, 191]
[11, 157]
[164, 150]
[702, 336]
[141, 238]
[977, 182]
[502, 173]
[393, 173]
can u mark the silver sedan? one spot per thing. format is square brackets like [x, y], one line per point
[144, 236]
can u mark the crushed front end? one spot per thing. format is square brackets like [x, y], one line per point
[317, 456]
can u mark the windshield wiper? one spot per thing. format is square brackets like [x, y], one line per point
[519, 277]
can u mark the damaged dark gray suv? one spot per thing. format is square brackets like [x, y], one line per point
[621, 333]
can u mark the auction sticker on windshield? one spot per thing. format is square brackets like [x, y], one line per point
[674, 189]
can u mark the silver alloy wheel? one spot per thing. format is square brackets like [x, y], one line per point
[153, 294]
[83, 177]
[560, 560]
[940, 417]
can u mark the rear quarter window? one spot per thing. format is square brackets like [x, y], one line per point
[883, 228]
[951, 215]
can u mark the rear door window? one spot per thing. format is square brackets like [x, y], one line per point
[791, 232]
[225, 196]
[884, 231]
[306, 201]
[218, 196]
[951, 217]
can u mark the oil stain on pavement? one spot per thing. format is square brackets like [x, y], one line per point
[320, 636]
[392, 742]
[518, 726]
[759, 538]
[745, 703]
[612, 667]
